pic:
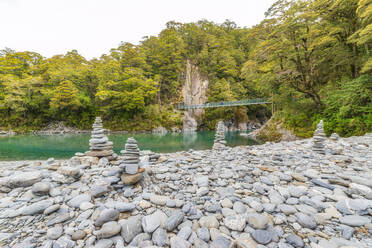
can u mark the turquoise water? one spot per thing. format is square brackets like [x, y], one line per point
[28, 147]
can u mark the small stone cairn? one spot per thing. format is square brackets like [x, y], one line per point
[334, 137]
[99, 144]
[219, 140]
[319, 138]
[130, 164]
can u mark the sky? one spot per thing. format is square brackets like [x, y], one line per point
[93, 27]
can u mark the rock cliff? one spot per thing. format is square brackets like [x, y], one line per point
[194, 91]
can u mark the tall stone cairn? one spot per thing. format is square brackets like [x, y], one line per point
[130, 164]
[99, 144]
[319, 138]
[219, 140]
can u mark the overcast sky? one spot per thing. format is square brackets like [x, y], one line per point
[93, 27]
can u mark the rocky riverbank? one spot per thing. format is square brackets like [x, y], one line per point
[272, 195]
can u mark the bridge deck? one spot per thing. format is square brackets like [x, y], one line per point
[183, 106]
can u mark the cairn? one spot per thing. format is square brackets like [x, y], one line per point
[99, 144]
[219, 140]
[130, 164]
[319, 138]
[334, 137]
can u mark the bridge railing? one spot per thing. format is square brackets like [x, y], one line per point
[183, 106]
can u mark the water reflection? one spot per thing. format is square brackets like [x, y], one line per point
[65, 146]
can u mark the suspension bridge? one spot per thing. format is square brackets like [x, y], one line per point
[183, 106]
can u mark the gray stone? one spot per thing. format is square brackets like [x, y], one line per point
[262, 236]
[99, 190]
[107, 215]
[36, 208]
[177, 242]
[306, 221]
[235, 222]
[257, 221]
[203, 234]
[159, 237]
[124, 207]
[21, 179]
[151, 222]
[295, 241]
[354, 220]
[104, 243]
[347, 232]
[131, 168]
[131, 227]
[40, 188]
[185, 232]
[77, 200]
[108, 230]
[209, 221]
[55, 232]
[173, 221]
[221, 242]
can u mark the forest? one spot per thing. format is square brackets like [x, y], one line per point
[314, 57]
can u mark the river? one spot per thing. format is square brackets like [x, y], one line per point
[29, 147]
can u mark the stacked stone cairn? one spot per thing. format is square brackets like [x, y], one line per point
[319, 138]
[334, 137]
[130, 164]
[219, 140]
[99, 144]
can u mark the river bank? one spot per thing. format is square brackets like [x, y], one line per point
[270, 195]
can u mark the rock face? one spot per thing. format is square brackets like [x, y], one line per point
[219, 140]
[194, 92]
[99, 144]
[319, 138]
[130, 163]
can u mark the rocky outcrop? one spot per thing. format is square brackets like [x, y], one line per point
[194, 91]
[273, 130]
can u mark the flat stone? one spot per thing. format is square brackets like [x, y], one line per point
[173, 221]
[295, 241]
[107, 215]
[131, 227]
[78, 234]
[159, 199]
[235, 222]
[40, 188]
[354, 220]
[77, 200]
[221, 242]
[152, 221]
[209, 221]
[177, 242]
[124, 207]
[108, 230]
[36, 208]
[99, 190]
[306, 221]
[129, 179]
[21, 179]
[131, 168]
[184, 232]
[55, 232]
[203, 234]
[159, 237]
[257, 221]
[262, 236]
